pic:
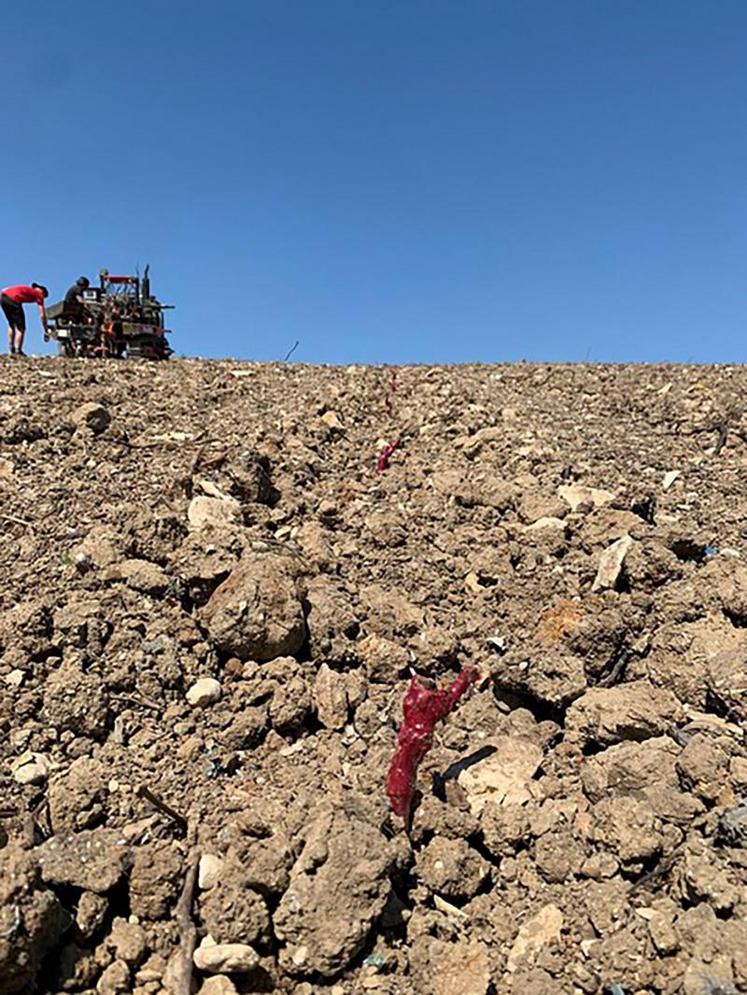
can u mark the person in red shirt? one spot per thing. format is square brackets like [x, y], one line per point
[12, 300]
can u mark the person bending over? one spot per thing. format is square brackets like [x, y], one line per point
[12, 300]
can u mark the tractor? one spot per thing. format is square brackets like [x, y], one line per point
[119, 318]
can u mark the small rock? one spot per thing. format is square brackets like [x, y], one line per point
[209, 870]
[204, 692]
[115, 980]
[451, 868]
[504, 777]
[628, 827]
[332, 420]
[731, 829]
[669, 478]
[91, 912]
[702, 767]
[472, 583]
[128, 941]
[330, 698]
[140, 575]
[663, 933]
[462, 968]
[447, 908]
[257, 612]
[212, 512]
[221, 958]
[92, 416]
[92, 860]
[738, 773]
[83, 562]
[534, 934]
[635, 711]
[219, 984]
[611, 564]
[546, 523]
[712, 975]
[212, 490]
[578, 496]
[15, 678]
[31, 768]
[152, 970]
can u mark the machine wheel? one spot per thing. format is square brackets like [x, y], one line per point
[146, 347]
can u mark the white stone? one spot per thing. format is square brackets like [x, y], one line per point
[332, 420]
[300, 955]
[206, 512]
[225, 958]
[212, 490]
[669, 478]
[446, 907]
[548, 522]
[576, 495]
[204, 692]
[219, 984]
[611, 563]
[30, 768]
[504, 777]
[209, 871]
[534, 934]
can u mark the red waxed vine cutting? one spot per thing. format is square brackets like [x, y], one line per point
[423, 708]
[382, 462]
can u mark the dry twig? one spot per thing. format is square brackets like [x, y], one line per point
[16, 521]
[181, 978]
[663, 868]
[290, 351]
[162, 806]
[132, 699]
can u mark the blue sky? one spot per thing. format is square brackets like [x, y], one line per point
[390, 180]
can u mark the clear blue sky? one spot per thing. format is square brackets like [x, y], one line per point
[390, 180]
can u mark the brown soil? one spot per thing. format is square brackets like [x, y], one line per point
[210, 608]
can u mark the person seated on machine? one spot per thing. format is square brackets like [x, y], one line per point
[75, 304]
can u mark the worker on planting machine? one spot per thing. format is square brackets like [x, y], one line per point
[75, 304]
[12, 300]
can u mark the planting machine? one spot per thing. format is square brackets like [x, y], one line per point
[119, 318]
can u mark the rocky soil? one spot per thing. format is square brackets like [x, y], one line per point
[210, 608]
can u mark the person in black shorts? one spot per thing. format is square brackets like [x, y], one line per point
[12, 300]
